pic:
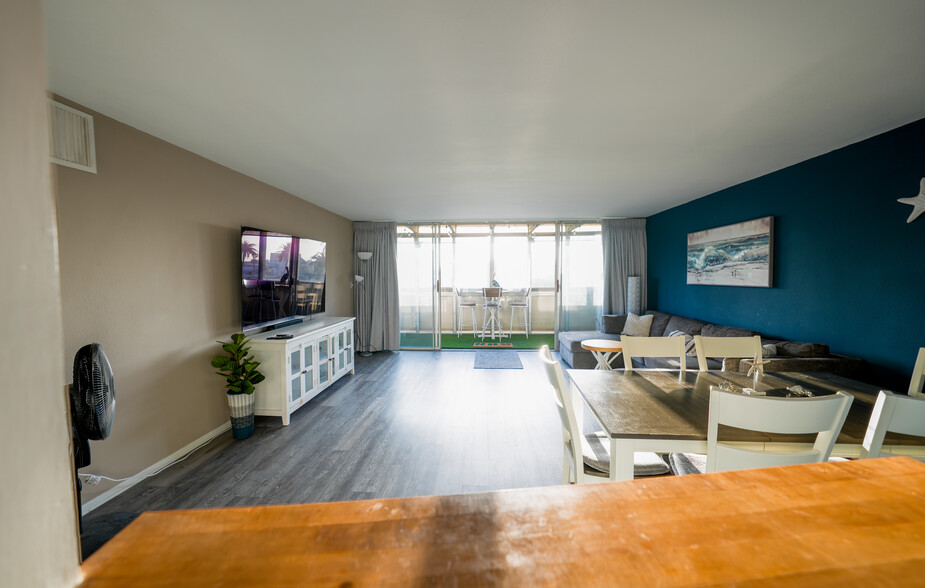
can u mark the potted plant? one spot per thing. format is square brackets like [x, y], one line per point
[241, 375]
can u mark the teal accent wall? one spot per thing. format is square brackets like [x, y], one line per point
[848, 270]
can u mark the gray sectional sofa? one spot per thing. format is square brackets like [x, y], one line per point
[790, 356]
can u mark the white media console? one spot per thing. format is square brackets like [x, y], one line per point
[298, 369]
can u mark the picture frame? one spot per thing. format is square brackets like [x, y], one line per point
[740, 254]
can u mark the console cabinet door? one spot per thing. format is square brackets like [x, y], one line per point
[325, 353]
[294, 368]
[308, 372]
[350, 347]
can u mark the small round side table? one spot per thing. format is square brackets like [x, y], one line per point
[604, 351]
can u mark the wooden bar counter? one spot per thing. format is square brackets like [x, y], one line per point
[858, 523]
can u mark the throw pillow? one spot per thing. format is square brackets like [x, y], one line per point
[689, 348]
[768, 350]
[637, 326]
[612, 323]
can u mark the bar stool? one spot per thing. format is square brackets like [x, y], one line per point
[491, 312]
[463, 305]
[525, 306]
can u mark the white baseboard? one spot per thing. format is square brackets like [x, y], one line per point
[123, 486]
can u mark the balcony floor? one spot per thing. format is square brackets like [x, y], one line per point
[467, 341]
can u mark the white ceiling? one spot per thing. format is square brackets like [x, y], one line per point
[496, 109]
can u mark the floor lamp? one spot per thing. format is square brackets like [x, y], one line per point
[634, 295]
[358, 279]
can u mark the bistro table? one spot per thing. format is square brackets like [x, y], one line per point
[667, 411]
[856, 523]
[604, 350]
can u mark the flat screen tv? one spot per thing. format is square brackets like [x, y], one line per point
[282, 277]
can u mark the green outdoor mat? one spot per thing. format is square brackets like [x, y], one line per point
[467, 341]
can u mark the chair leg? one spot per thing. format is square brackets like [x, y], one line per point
[526, 323]
[566, 471]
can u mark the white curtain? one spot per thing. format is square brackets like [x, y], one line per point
[376, 297]
[624, 242]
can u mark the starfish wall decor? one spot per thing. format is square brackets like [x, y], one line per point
[917, 202]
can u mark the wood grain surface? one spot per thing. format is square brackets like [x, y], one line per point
[856, 523]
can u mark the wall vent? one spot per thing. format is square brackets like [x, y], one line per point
[71, 137]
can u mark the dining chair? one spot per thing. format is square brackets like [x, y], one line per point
[653, 347]
[592, 451]
[461, 306]
[491, 312]
[893, 412]
[523, 305]
[823, 415]
[918, 375]
[735, 347]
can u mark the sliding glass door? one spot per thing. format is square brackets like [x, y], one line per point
[417, 283]
[551, 275]
[582, 276]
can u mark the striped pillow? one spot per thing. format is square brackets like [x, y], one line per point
[637, 326]
[689, 349]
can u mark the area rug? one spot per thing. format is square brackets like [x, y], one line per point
[489, 345]
[498, 360]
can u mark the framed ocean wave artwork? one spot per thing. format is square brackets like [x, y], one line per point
[732, 255]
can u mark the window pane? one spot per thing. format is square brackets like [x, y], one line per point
[472, 262]
[512, 270]
[543, 260]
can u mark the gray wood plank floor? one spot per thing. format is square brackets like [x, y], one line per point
[409, 423]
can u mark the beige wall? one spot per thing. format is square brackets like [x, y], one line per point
[150, 268]
[38, 523]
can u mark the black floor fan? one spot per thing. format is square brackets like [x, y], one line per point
[93, 406]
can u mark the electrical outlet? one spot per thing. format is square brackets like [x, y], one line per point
[94, 479]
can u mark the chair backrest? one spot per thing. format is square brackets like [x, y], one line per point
[491, 292]
[896, 413]
[266, 288]
[747, 347]
[571, 436]
[823, 415]
[918, 375]
[652, 347]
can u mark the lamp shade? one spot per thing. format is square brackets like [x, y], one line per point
[357, 278]
[364, 255]
[634, 294]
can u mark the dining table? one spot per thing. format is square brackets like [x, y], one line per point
[857, 523]
[667, 411]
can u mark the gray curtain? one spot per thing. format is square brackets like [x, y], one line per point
[624, 242]
[376, 297]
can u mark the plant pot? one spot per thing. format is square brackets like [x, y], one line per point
[242, 415]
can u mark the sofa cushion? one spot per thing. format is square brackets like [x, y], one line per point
[796, 349]
[718, 331]
[612, 323]
[637, 326]
[571, 340]
[659, 322]
[681, 323]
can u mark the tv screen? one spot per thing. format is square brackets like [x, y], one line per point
[282, 276]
